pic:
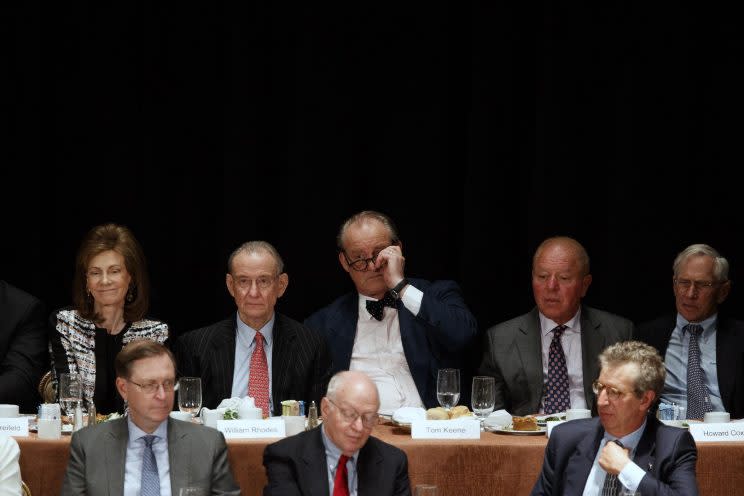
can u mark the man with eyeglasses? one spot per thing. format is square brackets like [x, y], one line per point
[147, 452]
[257, 351]
[397, 330]
[702, 349]
[339, 458]
[625, 447]
[544, 361]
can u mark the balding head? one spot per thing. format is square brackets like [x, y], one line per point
[350, 410]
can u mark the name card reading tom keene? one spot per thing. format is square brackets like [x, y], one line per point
[446, 429]
[252, 428]
[727, 431]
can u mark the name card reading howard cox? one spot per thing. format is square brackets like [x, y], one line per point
[726, 431]
[11, 426]
[446, 429]
[252, 428]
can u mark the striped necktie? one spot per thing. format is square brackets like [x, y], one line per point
[150, 482]
[698, 400]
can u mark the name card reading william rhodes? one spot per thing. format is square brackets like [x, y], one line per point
[251, 428]
[446, 429]
[725, 431]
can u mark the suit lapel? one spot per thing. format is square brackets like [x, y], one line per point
[367, 469]
[645, 453]
[529, 346]
[116, 455]
[179, 454]
[581, 461]
[283, 337]
[727, 353]
[313, 456]
[222, 369]
[592, 344]
[343, 332]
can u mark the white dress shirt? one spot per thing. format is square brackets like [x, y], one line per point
[135, 450]
[378, 352]
[571, 342]
[10, 470]
[245, 343]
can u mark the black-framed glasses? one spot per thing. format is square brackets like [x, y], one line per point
[700, 286]
[612, 393]
[152, 387]
[369, 420]
[361, 264]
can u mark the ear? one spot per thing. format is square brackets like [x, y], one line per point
[647, 400]
[324, 405]
[230, 283]
[283, 283]
[585, 283]
[121, 386]
[723, 292]
[342, 261]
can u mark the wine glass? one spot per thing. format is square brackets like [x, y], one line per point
[189, 395]
[484, 396]
[70, 394]
[448, 387]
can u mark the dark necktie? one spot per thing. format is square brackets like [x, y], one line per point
[150, 482]
[698, 400]
[341, 481]
[556, 389]
[611, 485]
[375, 308]
[258, 378]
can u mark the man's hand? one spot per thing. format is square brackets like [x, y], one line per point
[613, 458]
[391, 262]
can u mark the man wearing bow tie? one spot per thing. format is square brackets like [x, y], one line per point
[398, 331]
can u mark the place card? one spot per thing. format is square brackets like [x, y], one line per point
[552, 423]
[252, 428]
[14, 426]
[724, 431]
[446, 429]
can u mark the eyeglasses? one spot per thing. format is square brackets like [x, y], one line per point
[369, 420]
[361, 264]
[263, 283]
[700, 286]
[152, 387]
[612, 393]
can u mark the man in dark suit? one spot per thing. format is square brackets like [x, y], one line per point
[559, 331]
[625, 446]
[700, 283]
[24, 356]
[339, 457]
[147, 452]
[398, 331]
[292, 361]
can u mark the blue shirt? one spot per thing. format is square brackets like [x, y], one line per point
[630, 476]
[135, 449]
[245, 343]
[333, 453]
[675, 386]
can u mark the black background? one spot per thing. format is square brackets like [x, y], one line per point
[481, 128]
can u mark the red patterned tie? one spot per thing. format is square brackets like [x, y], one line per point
[341, 482]
[258, 378]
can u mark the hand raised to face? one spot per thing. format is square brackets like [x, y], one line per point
[392, 263]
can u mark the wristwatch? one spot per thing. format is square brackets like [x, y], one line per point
[395, 292]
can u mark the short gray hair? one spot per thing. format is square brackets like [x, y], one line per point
[651, 370]
[366, 216]
[257, 247]
[720, 264]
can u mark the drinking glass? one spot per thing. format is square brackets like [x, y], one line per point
[189, 395]
[70, 394]
[426, 490]
[484, 396]
[448, 387]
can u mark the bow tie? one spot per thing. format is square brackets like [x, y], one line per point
[375, 307]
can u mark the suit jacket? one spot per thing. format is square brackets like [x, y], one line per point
[24, 357]
[435, 338]
[513, 356]
[300, 361]
[729, 355]
[296, 466]
[667, 454]
[197, 456]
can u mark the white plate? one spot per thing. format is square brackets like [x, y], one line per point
[507, 429]
[542, 419]
[66, 428]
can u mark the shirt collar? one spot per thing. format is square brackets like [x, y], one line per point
[136, 433]
[267, 330]
[332, 449]
[362, 310]
[547, 325]
[708, 324]
[630, 440]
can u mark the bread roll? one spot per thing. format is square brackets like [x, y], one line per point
[437, 413]
[524, 424]
[459, 411]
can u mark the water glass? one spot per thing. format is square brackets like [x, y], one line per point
[448, 387]
[70, 394]
[189, 395]
[484, 396]
[426, 490]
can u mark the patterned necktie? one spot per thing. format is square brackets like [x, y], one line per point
[341, 482]
[258, 378]
[556, 398]
[698, 401]
[375, 308]
[150, 482]
[611, 485]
